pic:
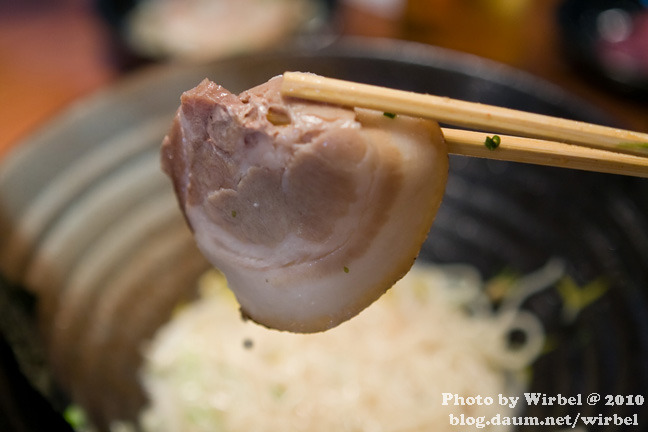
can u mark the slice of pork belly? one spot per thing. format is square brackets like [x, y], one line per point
[312, 211]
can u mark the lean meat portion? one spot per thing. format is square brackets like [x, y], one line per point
[312, 211]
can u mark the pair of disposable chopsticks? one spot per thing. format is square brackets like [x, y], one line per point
[542, 140]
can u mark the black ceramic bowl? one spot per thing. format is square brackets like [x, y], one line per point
[95, 253]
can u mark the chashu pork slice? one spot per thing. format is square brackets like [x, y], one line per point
[312, 211]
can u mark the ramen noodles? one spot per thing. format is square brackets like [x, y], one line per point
[387, 369]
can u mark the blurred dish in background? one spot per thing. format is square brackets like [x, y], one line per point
[609, 38]
[202, 30]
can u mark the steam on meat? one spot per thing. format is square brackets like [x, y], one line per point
[312, 211]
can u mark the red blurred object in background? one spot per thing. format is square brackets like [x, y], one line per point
[623, 47]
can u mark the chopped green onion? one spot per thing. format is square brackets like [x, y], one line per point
[493, 142]
[576, 298]
[390, 115]
[278, 390]
[75, 416]
[634, 145]
[346, 269]
[233, 213]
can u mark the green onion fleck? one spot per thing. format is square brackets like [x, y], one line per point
[634, 145]
[233, 213]
[493, 142]
[75, 416]
[346, 269]
[575, 298]
[278, 390]
[390, 115]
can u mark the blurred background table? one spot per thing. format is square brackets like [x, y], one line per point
[54, 52]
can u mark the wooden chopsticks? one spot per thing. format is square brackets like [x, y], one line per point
[542, 139]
